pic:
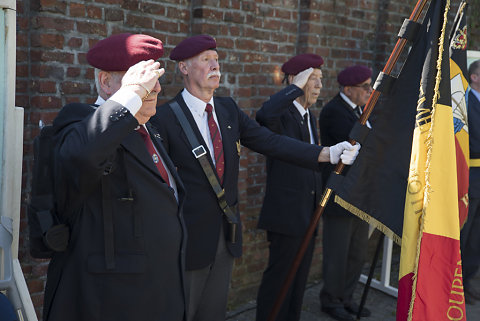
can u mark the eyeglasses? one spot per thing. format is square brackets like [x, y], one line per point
[365, 86]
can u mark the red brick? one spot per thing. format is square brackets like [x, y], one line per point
[57, 24]
[77, 10]
[139, 21]
[114, 15]
[70, 87]
[55, 6]
[46, 102]
[75, 42]
[95, 12]
[57, 56]
[47, 40]
[92, 28]
[182, 14]
[43, 86]
[73, 72]
[152, 8]
[52, 72]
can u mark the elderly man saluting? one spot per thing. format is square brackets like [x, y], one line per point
[120, 195]
[202, 135]
[292, 192]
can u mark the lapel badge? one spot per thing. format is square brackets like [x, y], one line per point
[239, 147]
[155, 158]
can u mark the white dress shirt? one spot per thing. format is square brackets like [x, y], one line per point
[197, 108]
[353, 105]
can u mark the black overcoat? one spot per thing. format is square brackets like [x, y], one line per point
[147, 229]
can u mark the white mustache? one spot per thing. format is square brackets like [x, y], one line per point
[214, 73]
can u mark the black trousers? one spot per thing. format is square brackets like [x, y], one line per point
[470, 241]
[345, 241]
[283, 249]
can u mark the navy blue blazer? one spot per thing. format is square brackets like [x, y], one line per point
[474, 142]
[292, 192]
[203, 216]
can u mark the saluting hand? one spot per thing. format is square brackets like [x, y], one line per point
[142, 77]
[300, 79]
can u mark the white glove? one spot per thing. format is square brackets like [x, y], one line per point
[349, 155]
[345, 151]
[300, 79]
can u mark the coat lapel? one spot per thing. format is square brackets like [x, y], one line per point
[134, 144]
[300, 123]
[313, 125]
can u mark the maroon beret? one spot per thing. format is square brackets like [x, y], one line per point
[354, 75]
[192, 46]
[121, 51]
[301, 62]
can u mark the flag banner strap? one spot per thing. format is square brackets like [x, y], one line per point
[369, 219]
[384, 83]
[409, 30]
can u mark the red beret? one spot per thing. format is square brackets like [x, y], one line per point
[301, 62]
[192, 46]
[354, 75]
[121, 51]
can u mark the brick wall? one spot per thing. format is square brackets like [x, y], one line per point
[254, 38]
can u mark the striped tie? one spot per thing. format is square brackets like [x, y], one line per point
[153, 153]
[217, 143]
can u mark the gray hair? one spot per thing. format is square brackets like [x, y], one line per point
[474, 66]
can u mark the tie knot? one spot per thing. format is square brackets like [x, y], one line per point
[305, 117]
[142, 131]
[209, 108]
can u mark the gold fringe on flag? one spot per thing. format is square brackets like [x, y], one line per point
[429, 144]
[369, 219]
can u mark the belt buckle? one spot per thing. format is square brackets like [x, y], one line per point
[199, 151]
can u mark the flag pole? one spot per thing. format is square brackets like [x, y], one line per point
[392, 60]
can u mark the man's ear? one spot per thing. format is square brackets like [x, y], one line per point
[182, 66]
[290, 78]
[104, 79]
[474, 78]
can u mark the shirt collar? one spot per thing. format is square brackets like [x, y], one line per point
[99, 101]
[348, 101]
[194, 104]
[300, 108]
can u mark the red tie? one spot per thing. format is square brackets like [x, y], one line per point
[151, 150]
[217, 143]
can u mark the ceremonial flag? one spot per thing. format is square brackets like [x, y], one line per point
[459, 84]
[404, 181]
[430, 279]
[374, 187]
